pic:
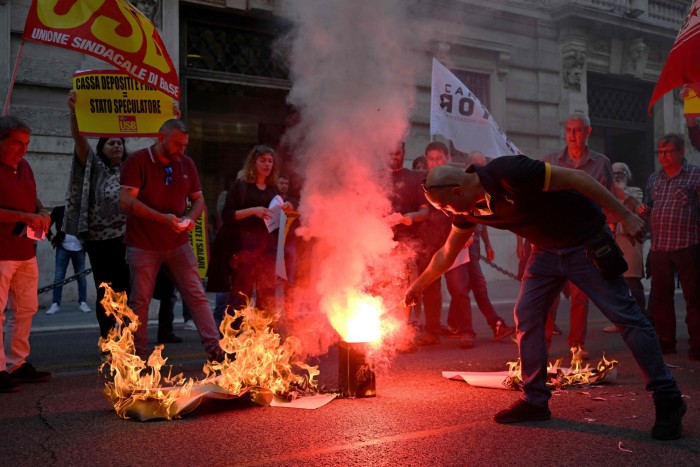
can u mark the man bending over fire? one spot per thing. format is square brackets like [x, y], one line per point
[558, 211]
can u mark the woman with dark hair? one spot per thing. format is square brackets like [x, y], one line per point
[93, 213]
[246, 210]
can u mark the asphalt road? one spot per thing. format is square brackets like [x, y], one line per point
[417, 418]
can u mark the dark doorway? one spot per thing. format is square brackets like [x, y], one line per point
[622, 129]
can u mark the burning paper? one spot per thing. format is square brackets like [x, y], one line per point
[558, 377]
[258, 364]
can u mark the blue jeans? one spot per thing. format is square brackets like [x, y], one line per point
[546, 272]
[460, 312]
[182, 268]
[64, 256]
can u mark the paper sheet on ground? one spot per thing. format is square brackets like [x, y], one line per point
[151, 409]
[308, 402]
[501, 379]
[480, 379]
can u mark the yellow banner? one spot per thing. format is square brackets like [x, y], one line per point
[691, 103]
[113, 104]
[200, 246]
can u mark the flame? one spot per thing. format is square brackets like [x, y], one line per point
[256, 357]
[577, 375]
[357, 317]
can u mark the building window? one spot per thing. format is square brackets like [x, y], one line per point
[238, 51]
[478, 84]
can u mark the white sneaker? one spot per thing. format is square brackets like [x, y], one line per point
[189, 326]
[55, 308]
[84, 307]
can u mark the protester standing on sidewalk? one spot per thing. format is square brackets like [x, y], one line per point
[93, 213]
[156, 183]
[672, 203]
[69, 248]
[20, 211]
[631, 197]
[577, 155]
[555, 209]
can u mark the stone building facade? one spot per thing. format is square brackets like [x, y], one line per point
[531, 62]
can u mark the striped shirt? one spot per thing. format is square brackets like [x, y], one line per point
[674, 203]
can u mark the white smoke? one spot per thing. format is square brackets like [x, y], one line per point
[352, 64]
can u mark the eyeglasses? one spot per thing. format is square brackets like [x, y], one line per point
[427, 188]
[168, 175]
[666, 152]
[620, 174]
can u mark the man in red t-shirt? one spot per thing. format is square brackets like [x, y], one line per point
[21, 212]
[156, 184]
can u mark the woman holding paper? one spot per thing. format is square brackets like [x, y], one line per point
[250, 209]
[93, 213]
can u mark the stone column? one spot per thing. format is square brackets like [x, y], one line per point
[6, 59]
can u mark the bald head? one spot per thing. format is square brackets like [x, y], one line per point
[445, 175]
[452, 190]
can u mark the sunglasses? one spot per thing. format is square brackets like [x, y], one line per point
[168, 175]
[262, 149]
[427, 188]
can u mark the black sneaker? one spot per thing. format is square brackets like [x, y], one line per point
[6, 383]
[28, 374]
[694, 355]
[218, 355]
[522, 411]
[669, 417]
[501, 330]
[170, 339]
[466, 341]
[449, 331]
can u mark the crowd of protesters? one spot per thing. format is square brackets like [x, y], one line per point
[132, 215]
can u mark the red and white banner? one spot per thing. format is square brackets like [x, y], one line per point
[682, 65]
[111, 30]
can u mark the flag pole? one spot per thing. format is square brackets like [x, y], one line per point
[6, 107]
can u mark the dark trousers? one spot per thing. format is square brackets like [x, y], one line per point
[108, 262]
[661, 304]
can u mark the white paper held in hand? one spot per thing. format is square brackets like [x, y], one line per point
[35, 234]
[273, 223]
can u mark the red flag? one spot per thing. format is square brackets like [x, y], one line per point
[682, 65]
[111, 30]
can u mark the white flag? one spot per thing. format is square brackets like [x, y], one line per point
[457, 114]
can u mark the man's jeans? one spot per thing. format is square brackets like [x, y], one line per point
[182, 268]
[19, 281]
[663, 287]
[63, 257]
[546, 272]
[457, 280]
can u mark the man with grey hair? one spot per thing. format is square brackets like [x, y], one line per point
[20, 213]
[672, 204]
[558, 211]
[577, 155]
[631, 197]
[156, 183]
